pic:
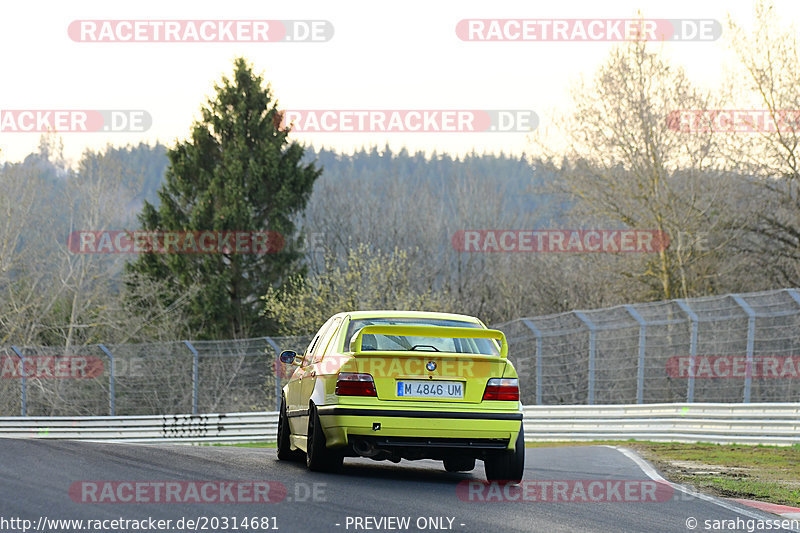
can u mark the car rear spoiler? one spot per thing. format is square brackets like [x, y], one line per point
[444, 332]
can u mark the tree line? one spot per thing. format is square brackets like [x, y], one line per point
[374, 229]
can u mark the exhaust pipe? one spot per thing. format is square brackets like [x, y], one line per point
[365, 448]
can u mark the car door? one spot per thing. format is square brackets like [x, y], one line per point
[298, 405]
[316, 368]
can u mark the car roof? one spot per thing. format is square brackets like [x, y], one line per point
[355, 315]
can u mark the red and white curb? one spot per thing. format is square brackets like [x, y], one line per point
[792, 513]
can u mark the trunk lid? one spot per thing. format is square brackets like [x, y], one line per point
[424, 374]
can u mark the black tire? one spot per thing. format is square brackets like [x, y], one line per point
[459, 464]
[318, 457]
[507, 466]
[285, 452]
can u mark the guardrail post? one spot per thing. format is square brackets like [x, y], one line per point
[195, 375]
[275, 372]
[592, 351]
[24, 385]
[751, 332]
[642, 344]
[111, 396]
[692, 347]
[536, 331]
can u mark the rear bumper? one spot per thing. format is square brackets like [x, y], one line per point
[421, 428]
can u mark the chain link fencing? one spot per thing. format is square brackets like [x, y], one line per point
[733, 348]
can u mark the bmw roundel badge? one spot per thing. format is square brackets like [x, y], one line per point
[431, 366]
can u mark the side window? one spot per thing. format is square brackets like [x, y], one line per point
[310, 350]
[320, 349]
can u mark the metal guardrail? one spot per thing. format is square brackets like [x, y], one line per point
[763, 423]
[186, 429]
[721, 423]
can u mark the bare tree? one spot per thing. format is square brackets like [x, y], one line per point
[53, 295]
[768, 76]
[628, 164]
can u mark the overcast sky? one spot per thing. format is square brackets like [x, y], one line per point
[403, 55]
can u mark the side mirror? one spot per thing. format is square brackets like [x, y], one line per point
[288, 357]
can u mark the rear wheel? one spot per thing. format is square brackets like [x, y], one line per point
[508, 466]
[285, 452]
[318, 457]
[459, 464]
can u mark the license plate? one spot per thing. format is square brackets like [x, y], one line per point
[430, 389]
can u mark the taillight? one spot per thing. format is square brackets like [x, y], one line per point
[352, 384]
[502, 389]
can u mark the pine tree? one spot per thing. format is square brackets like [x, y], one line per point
[237, 172]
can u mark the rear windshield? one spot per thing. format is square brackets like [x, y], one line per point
[421, 344]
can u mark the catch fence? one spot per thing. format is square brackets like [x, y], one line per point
[730, 349]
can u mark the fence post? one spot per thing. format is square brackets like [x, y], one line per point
[275, 372]
[24, 385]
[536, 331]
[592, 350]
[111, 395]
[751, 332]
[692, 347]
[195, 372]
[642, 344]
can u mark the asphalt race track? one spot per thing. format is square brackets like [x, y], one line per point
[36, 477]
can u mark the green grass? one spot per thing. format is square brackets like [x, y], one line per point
[752, 489]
